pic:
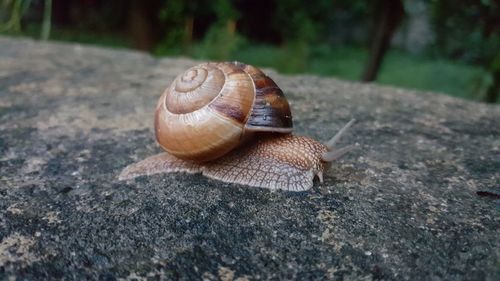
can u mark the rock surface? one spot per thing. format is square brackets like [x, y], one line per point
[418, 200]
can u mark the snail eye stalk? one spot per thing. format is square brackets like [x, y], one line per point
[331, 143]
[334, 154]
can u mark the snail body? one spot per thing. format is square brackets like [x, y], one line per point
[231, 122]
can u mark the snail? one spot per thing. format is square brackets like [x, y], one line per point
[231, 122]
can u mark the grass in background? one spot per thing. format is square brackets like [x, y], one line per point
[72, 35]
[343, 62]
[439, 75]
[399, 69]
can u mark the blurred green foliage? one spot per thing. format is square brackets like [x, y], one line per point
[11, 13]
[400, 68]
[322, 37]
[173, 15]
[470, 32]
[222, 40]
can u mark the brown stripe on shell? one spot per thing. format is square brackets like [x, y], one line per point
[233, 112]
[236, 97]
[271, 111]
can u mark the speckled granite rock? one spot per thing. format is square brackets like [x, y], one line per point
[416, 201]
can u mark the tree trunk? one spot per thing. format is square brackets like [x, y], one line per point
[491, 25]
[188, 32]
[493, 92]
[390, 13]
[143, 23]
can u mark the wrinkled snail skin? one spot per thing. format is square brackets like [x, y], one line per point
[232, 123]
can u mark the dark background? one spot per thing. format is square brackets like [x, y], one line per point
[442, 45]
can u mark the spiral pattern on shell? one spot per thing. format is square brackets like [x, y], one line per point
[213, 107]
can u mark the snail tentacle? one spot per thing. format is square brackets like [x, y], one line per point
[333, 141]
[336, 154]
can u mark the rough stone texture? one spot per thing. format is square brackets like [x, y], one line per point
[418, 200]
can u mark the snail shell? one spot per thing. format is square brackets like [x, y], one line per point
[231, 122]
[212, 108]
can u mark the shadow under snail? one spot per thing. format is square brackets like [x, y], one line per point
[231, 122]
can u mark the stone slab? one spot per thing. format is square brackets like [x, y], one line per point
[418, 199]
